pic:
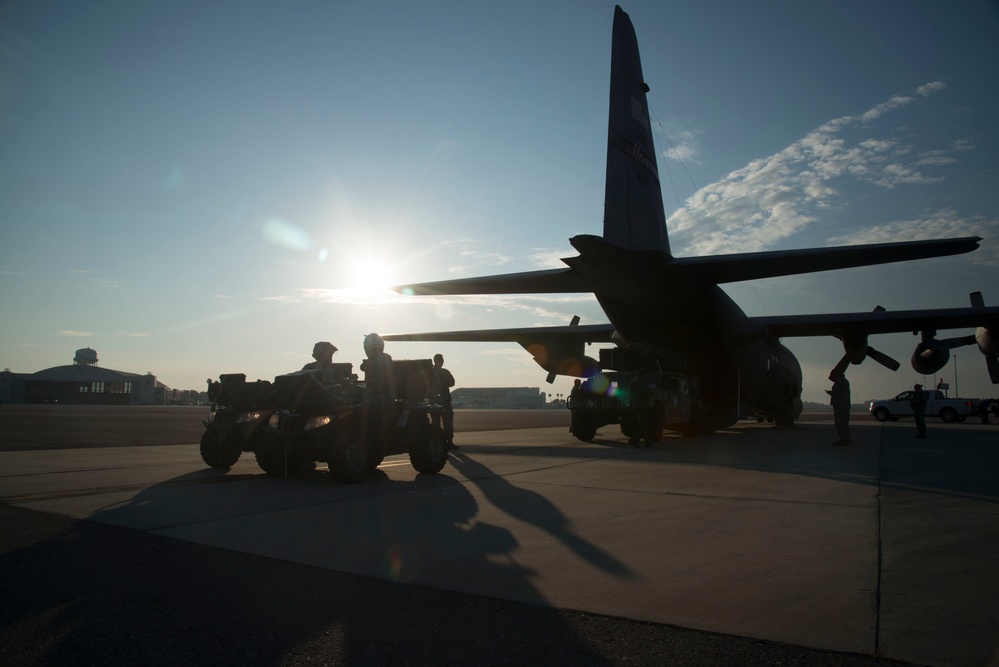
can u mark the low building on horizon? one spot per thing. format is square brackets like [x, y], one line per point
[82, 383]
[499, 397]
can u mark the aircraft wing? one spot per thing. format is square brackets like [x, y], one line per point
[586, 333]
[878, 321]
[758, 265]
[532, 282]
[714, 269]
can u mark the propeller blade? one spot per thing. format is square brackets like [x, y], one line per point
[882, 359]
[551, 377]
[977, 300]
[841, 365]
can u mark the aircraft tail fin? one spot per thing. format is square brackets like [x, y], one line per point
[633, 202]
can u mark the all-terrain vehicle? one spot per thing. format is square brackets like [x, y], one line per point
[234, 424]
[320, 420]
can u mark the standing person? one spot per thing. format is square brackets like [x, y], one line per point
[379, 384]
[918, 404]
[839, 397]
[639, 395]
[440, 389]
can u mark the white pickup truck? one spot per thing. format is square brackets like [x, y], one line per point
[948, 409]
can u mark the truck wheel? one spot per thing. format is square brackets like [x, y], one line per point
[658, 420]
[214, 453]
[582, 427]
[350, 460]
[948, 415]
[429, 453]
[881, 414]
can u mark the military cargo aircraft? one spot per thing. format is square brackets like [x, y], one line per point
[669, 312]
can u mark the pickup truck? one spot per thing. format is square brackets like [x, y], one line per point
[948, 409]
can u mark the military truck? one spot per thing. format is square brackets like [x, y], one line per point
[674, 395]
[316, 419]
[937, 405]
[239, 409]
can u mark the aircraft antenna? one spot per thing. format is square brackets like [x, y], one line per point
[704, 202]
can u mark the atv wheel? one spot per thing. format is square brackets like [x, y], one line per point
[272, 460]
[214, 453]
[350, 460]
[429, 454]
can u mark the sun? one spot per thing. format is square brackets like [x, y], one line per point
[371, 275]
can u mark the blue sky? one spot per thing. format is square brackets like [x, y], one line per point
[195, 188]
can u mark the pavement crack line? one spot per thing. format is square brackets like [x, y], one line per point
[877, 592]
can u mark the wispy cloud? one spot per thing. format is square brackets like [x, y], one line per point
[473, 257]
[75, 334]
[97, 278]
[944, 223]
[770, 199]
[683, 147]
[550, 258]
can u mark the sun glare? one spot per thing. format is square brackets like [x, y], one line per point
[371, 275]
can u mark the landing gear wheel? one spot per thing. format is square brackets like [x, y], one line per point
[214, 453]
[429, 454]
[351, 459]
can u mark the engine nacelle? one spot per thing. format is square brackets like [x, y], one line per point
[930, 356]
[558, 361]
[855, 348]
[988, 342]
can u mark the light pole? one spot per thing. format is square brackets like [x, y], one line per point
[957, 394]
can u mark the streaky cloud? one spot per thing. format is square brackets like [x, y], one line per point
[772, 198]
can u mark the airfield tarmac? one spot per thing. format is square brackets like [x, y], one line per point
[754, 545]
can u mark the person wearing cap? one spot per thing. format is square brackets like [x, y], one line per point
[322, 352]
[441, 381]
[918, 403]
[839, 397]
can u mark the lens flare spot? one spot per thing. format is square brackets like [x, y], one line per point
[402, 563]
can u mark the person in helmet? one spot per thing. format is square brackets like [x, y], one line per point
[379, 377]
[322, 352]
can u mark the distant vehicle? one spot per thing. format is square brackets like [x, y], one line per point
[937, 405]
[674, 395]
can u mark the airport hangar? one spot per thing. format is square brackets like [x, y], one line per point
[82, 383]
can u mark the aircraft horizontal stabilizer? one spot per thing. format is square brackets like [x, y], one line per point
[718, 269]
[532, 282]
[586, 333]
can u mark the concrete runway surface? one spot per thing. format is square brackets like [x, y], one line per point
[754, 545]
